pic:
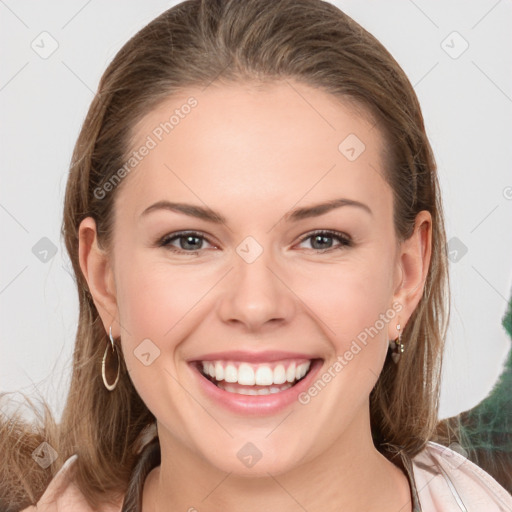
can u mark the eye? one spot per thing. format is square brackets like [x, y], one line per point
[189, 242]
[322, 241]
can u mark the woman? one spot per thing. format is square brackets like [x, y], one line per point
[254, 221]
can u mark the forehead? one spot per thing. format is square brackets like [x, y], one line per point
[279, 142]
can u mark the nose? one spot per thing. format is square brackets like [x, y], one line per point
[256, 295]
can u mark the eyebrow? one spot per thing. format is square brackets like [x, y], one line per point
[320, 209]
[205, 213]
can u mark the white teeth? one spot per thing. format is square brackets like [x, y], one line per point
[250, 391]
[219, 371]
[264, 376]
[247, 391]
[279, 374]
[290, 373]
[300, 371]
[248, 374]
[231, 373]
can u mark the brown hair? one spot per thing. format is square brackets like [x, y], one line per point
[235, 41]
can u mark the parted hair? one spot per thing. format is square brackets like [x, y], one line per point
[231, 41]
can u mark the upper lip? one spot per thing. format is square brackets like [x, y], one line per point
[252, 357]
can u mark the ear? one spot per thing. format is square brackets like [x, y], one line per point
[97, 270]
[413, 261]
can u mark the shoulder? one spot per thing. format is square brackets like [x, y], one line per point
[447, 481]
[62, 494]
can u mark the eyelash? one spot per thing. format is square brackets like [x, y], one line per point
[345, 240]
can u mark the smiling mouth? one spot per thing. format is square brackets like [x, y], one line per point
[255, 379]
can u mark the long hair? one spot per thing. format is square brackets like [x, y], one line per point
[234, 41]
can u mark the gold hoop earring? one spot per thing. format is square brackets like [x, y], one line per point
[110, 387]
[397, 347]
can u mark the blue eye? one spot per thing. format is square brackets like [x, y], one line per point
[189, 242]
[323, 240]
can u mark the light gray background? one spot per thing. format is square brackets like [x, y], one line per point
[466, 101]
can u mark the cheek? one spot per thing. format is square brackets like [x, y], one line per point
[150, 305]
[155, 296]
[160, 304]
[349, 296]
[155, 302]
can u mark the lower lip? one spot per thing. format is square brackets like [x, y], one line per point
[257, 404]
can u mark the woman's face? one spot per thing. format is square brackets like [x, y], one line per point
[252, 277]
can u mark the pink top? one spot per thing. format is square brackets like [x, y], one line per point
[441, 480]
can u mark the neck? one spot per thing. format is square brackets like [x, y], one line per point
[350, 475]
